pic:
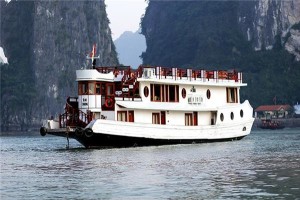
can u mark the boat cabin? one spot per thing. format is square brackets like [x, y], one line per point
[154, 95]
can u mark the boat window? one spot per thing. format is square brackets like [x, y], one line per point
[164, 93]
[103, 89]
[91, 88]
[109, 89]
[222, 117]
[241, 113]
[231, 94]
[82, 88]
[97, 88]
[188, 119]
[155, 96]
[183, 93]
[208, 94]
[155, 118]
[231, 116]
[146, 91]
[173, 91]
[122, 116]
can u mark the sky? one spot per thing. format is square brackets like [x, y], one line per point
[124, 15]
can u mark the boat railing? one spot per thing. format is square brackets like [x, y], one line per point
[192, 74]
[73, 117]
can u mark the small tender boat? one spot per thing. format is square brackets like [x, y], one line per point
[122, 107]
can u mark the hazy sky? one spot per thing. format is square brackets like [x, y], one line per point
[124, 15]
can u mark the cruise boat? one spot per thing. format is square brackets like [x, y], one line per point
[152, 105]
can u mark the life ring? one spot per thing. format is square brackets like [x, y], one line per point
[79, 131]
[109, 103]
[132, 75]
[43, 131]
[88, 132]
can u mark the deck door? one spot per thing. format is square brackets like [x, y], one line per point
[195, 118]
[131, 116]
[163, 117]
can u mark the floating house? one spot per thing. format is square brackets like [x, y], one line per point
[273, 111]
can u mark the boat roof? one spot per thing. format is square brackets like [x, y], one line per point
[273, 108]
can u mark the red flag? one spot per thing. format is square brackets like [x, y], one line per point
[94, 51]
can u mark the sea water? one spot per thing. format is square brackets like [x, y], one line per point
[263, 165]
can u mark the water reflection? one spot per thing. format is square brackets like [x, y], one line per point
[262, 165]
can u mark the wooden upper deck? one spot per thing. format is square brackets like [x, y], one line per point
[143, 73]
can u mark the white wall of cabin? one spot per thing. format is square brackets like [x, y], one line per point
[93, 102]
[218, 94]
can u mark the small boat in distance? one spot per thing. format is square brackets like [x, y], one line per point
[122, 107]
[271, 124]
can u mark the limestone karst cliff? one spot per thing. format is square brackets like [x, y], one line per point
[45, 42]
[260, 38]
[261, 21]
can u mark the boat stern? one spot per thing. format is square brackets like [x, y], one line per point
[52, 127]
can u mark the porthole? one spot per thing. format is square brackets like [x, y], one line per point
[244, 129]
[208, 94]
[146, 91]
[183, 93]
[241, 113]
[231, 116]
[221, 117]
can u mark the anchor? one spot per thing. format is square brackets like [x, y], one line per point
[67, 136]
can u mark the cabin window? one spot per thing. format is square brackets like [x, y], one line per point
[103, 89]
[122, 116]
[213, 118]
[231, 94]
[146, 91]
[241, 113]
[191, 119]
[222, 117]
[231, 116]
[155, 118]
[183, 93]
[98, 88]
[188, 119]
[156, 91]
[91, 88]
[82, 88]
[164, 93]
[109, 89]
[172, 93]
[208, 94]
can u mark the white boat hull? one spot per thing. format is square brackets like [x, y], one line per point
[166, 132]
[105, 133]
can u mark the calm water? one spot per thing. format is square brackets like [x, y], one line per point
[264, 165]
